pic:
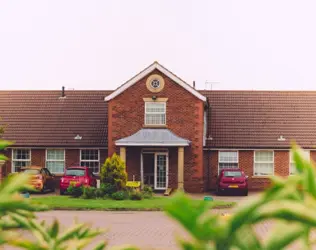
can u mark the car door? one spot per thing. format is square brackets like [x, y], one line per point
[92, 177]
[49, 179]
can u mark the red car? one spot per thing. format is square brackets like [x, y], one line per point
[232, 179]
[77, 176]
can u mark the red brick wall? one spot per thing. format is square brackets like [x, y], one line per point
[184, 118]
[313, 156]
[246, 162]
[282, 162]
[173, 167]
[133, 163]
[38, 158]
[213, 168]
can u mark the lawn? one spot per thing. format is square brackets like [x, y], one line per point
[154, 204]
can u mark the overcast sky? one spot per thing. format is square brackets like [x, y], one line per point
[90, 44]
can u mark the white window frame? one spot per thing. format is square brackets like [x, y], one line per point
[222, 151]
[91, 160]
[157, 113]
[14, 160]
[46, 160]
[254, 162]
[291, 160]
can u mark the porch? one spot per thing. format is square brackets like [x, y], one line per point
[155, 157]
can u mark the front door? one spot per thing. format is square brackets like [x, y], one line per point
[161, 171]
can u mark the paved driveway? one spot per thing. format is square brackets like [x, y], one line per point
[145, 229]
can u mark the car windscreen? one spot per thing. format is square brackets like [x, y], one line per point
[31, 171]
[232, 174]
[75, 172]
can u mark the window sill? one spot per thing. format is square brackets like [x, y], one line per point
[261, 176]
[155, 126]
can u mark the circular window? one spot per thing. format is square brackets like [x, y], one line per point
[155, 83]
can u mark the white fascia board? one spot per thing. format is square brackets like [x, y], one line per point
[146, 72]
[151, 144]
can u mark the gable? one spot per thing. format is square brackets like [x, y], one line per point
[147, 71]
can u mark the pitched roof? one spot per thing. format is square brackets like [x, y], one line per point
[42, 118]
[251, 119]
[147, 71]
[237, 119]
[153, 137]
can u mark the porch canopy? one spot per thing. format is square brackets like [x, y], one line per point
[156, 138]
[153, 137]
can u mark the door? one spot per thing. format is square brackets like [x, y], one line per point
[49, 179]
[161, 171]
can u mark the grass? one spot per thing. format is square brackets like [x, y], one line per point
[154, 204]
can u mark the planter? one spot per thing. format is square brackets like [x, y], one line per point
[25, 195]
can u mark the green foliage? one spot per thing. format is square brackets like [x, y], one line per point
[75, 191]
[147, 192]
[17, 213]
[3, 145]
[89, 193]
[136, 195]
[107, 188]
[290, 202]
[120, 195]
[113, 171]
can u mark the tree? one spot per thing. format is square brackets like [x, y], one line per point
[113, 172]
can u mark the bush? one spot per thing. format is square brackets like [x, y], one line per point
[75, 191]
[89, 193]
[136, 195]
[120, 195]
[107, 188]
[99, 193]
[147, 192]
[113, 172]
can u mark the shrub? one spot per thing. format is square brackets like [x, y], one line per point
[99, 193]
[113, 172]
[120, 195]
[75, 191]
[147, 192]
[89, 193]
[107, 188]
[136, 195]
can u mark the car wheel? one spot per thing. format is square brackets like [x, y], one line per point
[218, 191]
[43, 189]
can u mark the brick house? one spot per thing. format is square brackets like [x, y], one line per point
[168, 133]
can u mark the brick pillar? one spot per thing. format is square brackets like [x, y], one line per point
[123, 154]
[180, 167]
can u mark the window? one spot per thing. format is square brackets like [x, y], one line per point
[227, 159]
[55, 160]
[75, 172]
[20, 158]
[264, 163]
[155, 83]
[155, 113]
[232, 174]
[305, 154]
[90, 158]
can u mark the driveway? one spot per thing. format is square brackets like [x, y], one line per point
[147, 230]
